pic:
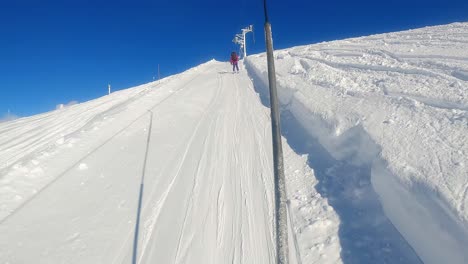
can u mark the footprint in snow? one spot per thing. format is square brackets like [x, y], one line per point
[72, 237]
[122, 204]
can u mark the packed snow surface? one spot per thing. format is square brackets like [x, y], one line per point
[179, 170]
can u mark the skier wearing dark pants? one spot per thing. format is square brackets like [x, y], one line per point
[234, 61]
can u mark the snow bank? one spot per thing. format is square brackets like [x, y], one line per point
[29, 142]
[397, 102]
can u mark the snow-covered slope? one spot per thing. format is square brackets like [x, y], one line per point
[179, 170]
[175, 171]
[70, 182]
[396, 103]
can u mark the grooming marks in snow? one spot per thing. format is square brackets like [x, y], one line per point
[207, 191]
[390, 113]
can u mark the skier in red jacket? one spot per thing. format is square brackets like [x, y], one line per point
[234, 60]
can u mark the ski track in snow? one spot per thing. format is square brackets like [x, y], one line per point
[240, 221]
[161, 203]
[123, 131]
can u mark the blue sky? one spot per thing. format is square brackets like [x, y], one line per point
[54, 52]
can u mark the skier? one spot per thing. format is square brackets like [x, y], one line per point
[234, 61]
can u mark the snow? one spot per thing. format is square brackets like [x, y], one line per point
[375, 146]
[395, 103]
[207, 191]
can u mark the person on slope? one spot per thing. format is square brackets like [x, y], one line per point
[234, 61]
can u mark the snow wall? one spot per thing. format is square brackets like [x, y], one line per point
[417, 211]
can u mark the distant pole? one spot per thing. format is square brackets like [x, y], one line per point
[109, 89]
[245, 31]
[245, 44]
[159, 75]
[282, 255]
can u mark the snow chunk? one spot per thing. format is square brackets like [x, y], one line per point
[83, 166]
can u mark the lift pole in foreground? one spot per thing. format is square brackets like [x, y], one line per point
[281, 222]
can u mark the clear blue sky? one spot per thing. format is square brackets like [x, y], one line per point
[54, 52]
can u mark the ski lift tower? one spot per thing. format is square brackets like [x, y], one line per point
[240, 39]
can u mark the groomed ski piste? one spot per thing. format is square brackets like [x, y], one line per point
[375, 135]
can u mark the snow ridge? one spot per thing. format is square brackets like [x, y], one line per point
[398, 103]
